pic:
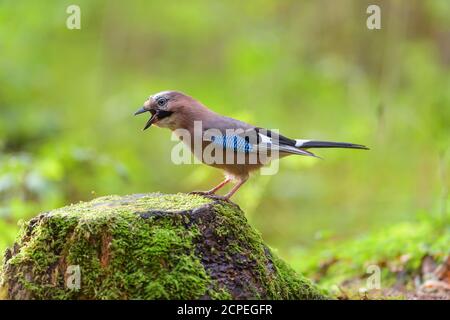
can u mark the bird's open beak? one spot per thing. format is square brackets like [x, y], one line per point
[141, 110]
[150, 121]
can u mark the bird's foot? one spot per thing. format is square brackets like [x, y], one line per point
[202, 193]
[209, 194]
[217, 197]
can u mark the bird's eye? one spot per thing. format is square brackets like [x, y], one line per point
[161, 102]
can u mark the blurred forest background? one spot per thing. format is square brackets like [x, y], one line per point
[310, 68]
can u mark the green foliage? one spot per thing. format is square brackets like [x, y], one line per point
[310, 69]
[397, 250]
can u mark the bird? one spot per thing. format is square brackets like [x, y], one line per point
[236, 147]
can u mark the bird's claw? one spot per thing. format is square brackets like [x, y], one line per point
[211, 196]
[201, 193]
[217, 197]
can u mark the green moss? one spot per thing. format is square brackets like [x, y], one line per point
[280, 281]
[143, 247]
[398, 250]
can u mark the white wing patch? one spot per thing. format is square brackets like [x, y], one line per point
[265, 139]
[300, 142]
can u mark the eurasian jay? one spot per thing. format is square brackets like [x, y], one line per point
[250, 147]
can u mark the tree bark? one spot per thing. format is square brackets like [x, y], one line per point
[147, 246]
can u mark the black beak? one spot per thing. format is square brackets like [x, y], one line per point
[152, 118]
[150, 121]
[141, 110]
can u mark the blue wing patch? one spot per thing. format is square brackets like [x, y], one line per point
[233, 142]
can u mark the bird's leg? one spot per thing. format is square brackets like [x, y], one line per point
[235, 188]
[219, 186]
[213, 190]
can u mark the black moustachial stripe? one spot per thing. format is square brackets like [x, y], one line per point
[163, 114]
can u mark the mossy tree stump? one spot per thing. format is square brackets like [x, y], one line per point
[151, 246]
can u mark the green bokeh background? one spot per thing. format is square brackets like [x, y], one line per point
[309, 68]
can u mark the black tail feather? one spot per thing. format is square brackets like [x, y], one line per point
[330, 144]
